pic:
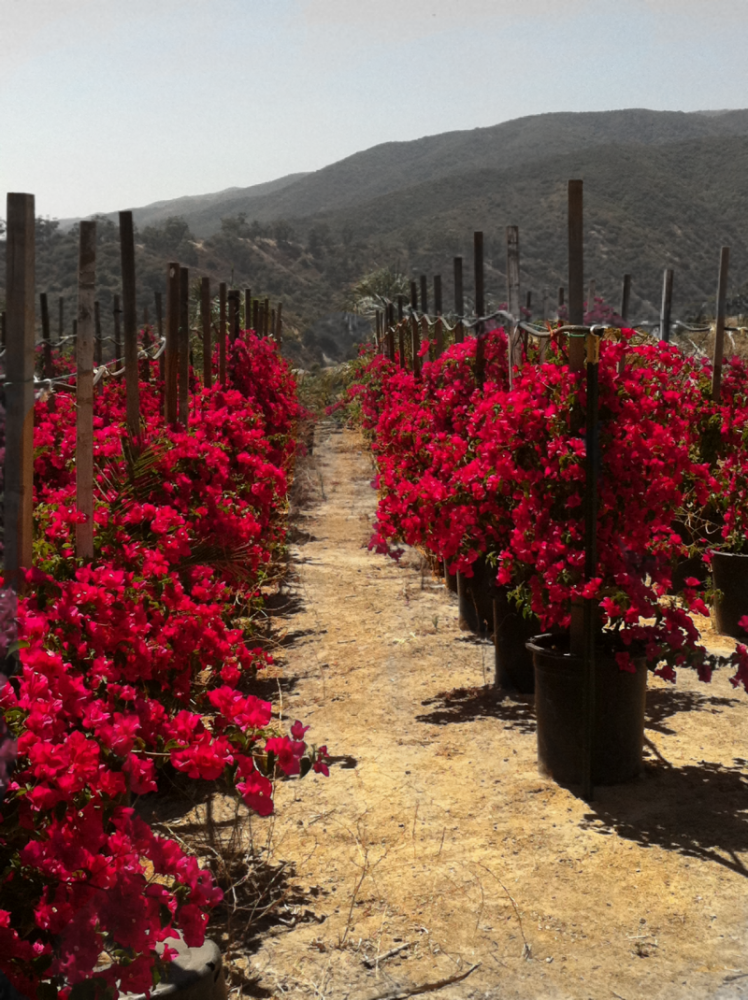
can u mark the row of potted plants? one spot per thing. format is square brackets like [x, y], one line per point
[491, 479]
[135, 665]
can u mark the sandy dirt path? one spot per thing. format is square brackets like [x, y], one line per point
[435, 831]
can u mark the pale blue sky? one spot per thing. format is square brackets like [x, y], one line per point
[111, 104]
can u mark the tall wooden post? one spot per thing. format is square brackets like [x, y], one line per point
[61, 320]
[513, 296]
[247, 307]
[719, 325]
[480, 298]
[256, 316]
[560, 298]
[19, 386]
[415, 344]
[414, 296]
[439, 331]
[424, 294]
[279, 326]
[3, 317]
[222, 333]
[84, 548]
[625, 299]
[171, 353]
[480, 305]
[528, 304]
[206, 328]
[378, 330]
[116, 313]
[401, 330]
[266, 318]
[234, 303]
[98, 342]
[46, 336]
[183, 407]
[576, 272]
[130, 323]
[667, 304]
[459, 300]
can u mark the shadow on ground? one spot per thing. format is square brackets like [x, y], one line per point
[469, 704]
[699, 810]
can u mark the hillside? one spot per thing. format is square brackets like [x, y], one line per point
[661, 189]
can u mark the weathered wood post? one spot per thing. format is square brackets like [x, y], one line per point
[625, 299]
[247, 307]
[183, 348]
[61, 320]
[378, 330]
[459, 300]
[279, 326]
[130, 323]
[415, 336]
[401, 329]
[84, 548]
[719, 323]
[576, 273]
[256, 316]
[3, 327]
[233, 302]
[222, 333]
[528, 305]
[98, 342]
[513, 297]
[424, 294]
[19, 387]
[206, 328]
[667, 304]
[171, 353]
[46, 337]
[116, 313]
[591, 604]
[266, 318]
[480, 305]
[439, 329]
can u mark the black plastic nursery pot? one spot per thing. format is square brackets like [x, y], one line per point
[475, 599]
[511, 633]
[450, 579]
[730, 574]
[618, 733]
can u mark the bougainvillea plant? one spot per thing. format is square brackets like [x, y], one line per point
[135, 665]
[469, 471]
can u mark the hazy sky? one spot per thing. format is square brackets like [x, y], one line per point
[111, 104]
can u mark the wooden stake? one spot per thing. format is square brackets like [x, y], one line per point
[576, 272]
[256, 316]
[3, 326]
[171, 353]
[459, 300]
[47, 369]
[247, 307]
[19, 387]
[233, 303]
[424, 294]
[207, 330]
[279, 326]
[625, 299]
[513, 296]
[183, 347]
[84, 548]
[719, 326]
[130, 324]
[667, 304]
[439, 331]
[591, 289]
[61, 319]
[222, 333]
[480, 305]
[98, 344]
[266, 318]
[117, 312]
[414, 296]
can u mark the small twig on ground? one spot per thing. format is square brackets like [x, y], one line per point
[526, 950]
[371, 963]
[412, 991]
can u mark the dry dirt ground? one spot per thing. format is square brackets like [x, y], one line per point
[435, 831]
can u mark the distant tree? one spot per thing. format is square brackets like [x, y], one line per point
[370, 292]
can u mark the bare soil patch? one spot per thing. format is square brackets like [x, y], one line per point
[436, 846]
